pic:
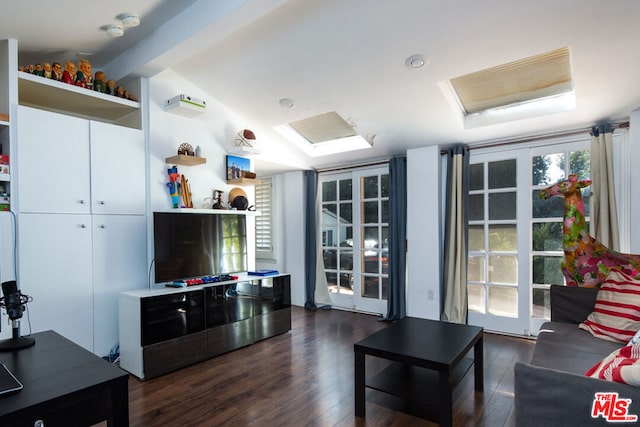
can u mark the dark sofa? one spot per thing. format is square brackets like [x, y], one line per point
[552, 390]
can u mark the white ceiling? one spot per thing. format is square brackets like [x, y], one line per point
[349, 56]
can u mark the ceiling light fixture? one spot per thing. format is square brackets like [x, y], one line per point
[286, 103]
[129, 20]
[114, 30]
[416, 61]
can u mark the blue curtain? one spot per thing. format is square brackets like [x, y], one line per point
[456, 236]
[310, 246]
[396, 297]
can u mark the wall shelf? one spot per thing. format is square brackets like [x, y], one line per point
[38, 92]
[244, 181]
[184, 160]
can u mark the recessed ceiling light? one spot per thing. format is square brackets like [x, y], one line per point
[286, 103]
[416, 61]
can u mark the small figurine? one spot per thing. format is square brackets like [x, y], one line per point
[100, 82]
[111, 87]
[174, 186]
[39, 71]
[31, 69]
[84, 78]
[56, 71]
[120, 92]
[219, 204]
[47, 70]
[69, 73]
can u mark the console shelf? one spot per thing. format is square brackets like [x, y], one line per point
[164, 329]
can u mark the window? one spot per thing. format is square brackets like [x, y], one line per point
[493, 239]
[548, 166]
[264, 221]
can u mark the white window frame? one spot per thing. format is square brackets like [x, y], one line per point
[265, 215]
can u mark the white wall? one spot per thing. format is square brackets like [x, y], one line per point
[423, 232]
[214, 131]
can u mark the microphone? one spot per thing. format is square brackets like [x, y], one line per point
[14, 303]
[13, 300]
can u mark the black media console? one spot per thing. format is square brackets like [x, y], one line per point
[165, 329]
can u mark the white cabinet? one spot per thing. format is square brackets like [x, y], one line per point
[53, 162]
[73, 165]
[117, 169]
[55, 269]
[75, 266]
[119, 264]
[82, 224]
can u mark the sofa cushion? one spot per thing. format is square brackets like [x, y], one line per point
[621, 366]
[616, 315]
[564, 346]
[571, 304]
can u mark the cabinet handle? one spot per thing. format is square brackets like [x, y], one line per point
[101, 202]
[83, 226]
[102, 226]
[81, 201]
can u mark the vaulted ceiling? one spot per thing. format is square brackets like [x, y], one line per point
[349, 57]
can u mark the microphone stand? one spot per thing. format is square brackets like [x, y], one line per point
[16, 342]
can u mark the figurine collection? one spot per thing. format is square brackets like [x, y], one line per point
[79, 75]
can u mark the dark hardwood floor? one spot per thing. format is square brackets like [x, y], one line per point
[305, 378]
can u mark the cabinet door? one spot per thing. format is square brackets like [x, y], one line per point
[53, 162]
[119, 264]
[54, 254]
[117, 169]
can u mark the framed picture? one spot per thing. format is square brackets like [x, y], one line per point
[236, 165]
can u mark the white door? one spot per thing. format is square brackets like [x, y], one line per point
[53, 162]
[54, 255]
[355, 230]
[119, 264]
[498, 267]
[117, 169]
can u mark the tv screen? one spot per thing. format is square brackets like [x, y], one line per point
[190, 245]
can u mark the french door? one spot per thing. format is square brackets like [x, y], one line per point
[498, 273]
[355, 237]
[515, 238]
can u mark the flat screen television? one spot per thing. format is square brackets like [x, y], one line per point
[190, 245]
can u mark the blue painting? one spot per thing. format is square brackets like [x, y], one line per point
[236, 165]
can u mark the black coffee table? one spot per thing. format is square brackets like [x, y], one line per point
[428, 361]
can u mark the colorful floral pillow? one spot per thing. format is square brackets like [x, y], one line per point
[616, 315]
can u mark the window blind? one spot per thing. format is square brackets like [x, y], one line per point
[264, 225]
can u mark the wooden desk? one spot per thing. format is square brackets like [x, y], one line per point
[428, 361]
[64, 385]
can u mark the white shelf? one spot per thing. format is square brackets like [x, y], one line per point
[211, 211]
[36, 91]
[5, 177]
[3, 123]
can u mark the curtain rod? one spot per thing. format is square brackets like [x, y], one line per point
[522, 140]
[353, 166]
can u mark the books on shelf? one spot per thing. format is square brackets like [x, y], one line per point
[262, 272]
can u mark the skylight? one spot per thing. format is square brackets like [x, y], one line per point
[530, 87]
[323, 134]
